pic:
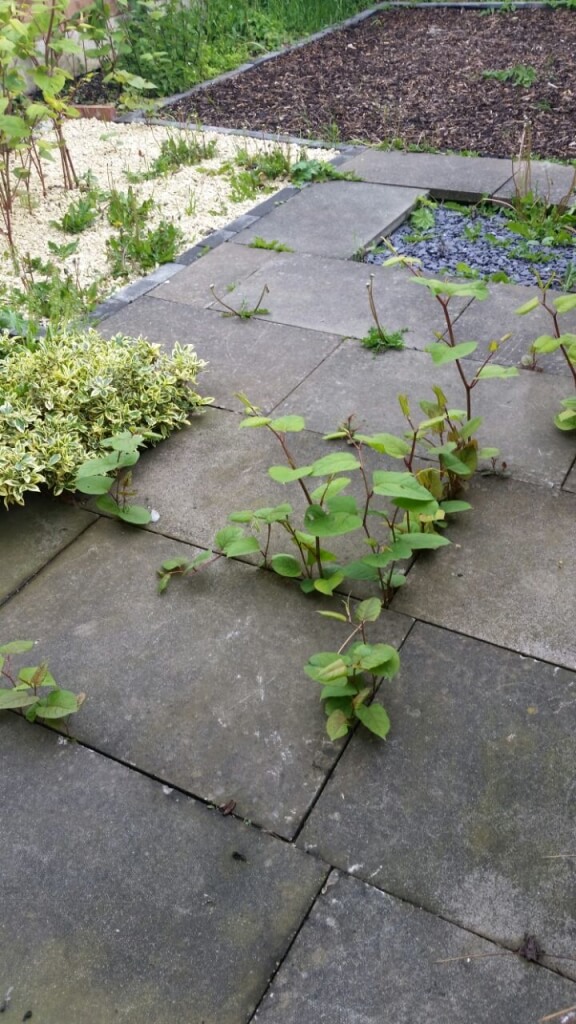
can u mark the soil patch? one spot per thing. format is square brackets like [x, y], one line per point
[416, 75]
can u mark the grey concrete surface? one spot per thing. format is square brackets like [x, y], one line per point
[518, 412]
[32, 534]
[124, 900]
[263, 360]
[466, 810]
[335, 218]
[508, 576]
[445, 176]
[221, 267]
[329, 295]
[204, 686]
[122, 897]
[550, 181]
[364, 957]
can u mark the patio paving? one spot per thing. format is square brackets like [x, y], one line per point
[339, 880]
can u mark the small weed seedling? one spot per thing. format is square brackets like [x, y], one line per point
[521, 75]
[33, 692]
[244, 312]
[104, 476]
[274, 245]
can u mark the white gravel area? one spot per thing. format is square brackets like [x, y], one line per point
[197, 202]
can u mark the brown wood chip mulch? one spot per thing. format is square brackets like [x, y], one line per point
[414, 74]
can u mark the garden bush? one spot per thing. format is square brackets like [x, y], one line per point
[62, 394]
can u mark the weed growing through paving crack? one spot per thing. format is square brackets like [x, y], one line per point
[446, 349]
[378, 338]
[32, 691]
[274, 245]
[558, 340]
[350, 676]
[110, 477]
[244, 311]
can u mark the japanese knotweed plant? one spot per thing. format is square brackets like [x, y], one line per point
[565, 341]
[110, 477]
[411, 517]
[446, 349]
[350, 676]
[33, 692]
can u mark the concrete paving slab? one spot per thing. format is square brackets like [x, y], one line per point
[445, 176]
[202, 687]
[467, 809]
[138, 904]
[335, 218]
[518, 413]
[31, 535]
[262, 359]
[223, 267]
[364, 957]
[550, 181]
[329, 295]
[508, 576]
[491, 319]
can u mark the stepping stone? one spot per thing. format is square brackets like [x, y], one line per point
[335, 218]
[363, 957]
[494, 317]
[202, 687]
[508, 576]
[31, 535]
[466, 810]
[570, 483]
[124, 900]
[549, 181]
[518, 413]
[447, 177]
[327, 295]
[266, 361]
[222, 267]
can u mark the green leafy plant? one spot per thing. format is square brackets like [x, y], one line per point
[564, 341]
[380, 340]
[71, 389]
[80, 214]
[134, 247]
[350, 676]
[32, 691]
[417, 501]
[521, 75]
[51, 292]
[274, 245]
[446, 349]
[110, 477]
[244, 311]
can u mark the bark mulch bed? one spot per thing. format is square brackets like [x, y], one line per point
[417, 75]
